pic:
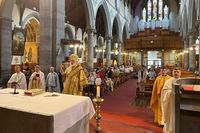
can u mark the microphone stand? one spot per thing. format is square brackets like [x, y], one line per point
[15, 88]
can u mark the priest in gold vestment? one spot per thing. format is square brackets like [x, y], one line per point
[166, 101]
[156, 95]
[75, 78]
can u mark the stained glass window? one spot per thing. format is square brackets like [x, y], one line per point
[165, 11]
[160, 10]
[155, 9]
[144, 14]
[149, 11]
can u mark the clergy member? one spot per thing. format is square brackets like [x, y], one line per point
[17, 78]
[37, 79]
[52, 81]
[75, 77]
[156, 94]
[166, 102]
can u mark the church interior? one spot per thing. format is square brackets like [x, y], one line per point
[91, 66]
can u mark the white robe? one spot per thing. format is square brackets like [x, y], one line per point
[166, 105]
[20, 79]
[42, 79]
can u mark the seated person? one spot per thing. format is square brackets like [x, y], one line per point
[152, 74]
[98, 80]
[17, 80]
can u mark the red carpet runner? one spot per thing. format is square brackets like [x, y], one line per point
[118, 116]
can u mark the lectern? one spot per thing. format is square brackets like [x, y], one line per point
[186, 105]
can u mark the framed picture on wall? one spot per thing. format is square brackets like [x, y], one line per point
[18, 41]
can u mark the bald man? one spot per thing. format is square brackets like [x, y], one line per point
[52, 81]
[17, 78]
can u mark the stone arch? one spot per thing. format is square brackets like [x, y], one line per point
[107, 17]
[69, 31]
[119, 30]
[90, 19]
[28, 17]
[126, 30]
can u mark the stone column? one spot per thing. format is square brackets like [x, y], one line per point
[108, 51]
[142, 57]
[90, 50]
[186, 54]
[163, 58]
[199, 32]
[52, 20]
[66, 50]
[192, 54]
[120, 52]
[5, 48]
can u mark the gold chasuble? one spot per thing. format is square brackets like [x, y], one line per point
[75, 78]
[156, 97]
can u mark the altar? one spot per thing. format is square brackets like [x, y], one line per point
[44, 113]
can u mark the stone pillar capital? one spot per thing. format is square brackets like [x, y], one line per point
[107, 37]
[192, 33]
[90, 31]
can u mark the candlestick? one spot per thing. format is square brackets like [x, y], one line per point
[98, 102]
[98, 91]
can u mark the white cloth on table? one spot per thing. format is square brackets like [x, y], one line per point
[66, 109]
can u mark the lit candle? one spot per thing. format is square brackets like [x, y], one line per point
[98, 91]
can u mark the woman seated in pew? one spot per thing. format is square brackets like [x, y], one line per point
[152, 74]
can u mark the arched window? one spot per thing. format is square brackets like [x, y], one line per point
[155, 9]
[166, 11]
[149, 11]
[160, 10]
[144, 14]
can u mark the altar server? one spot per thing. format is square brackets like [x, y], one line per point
[52, 81]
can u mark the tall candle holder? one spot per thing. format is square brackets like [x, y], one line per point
[98, 102]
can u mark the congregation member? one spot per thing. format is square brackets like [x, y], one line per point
[18, 79]
[156, 95]
[166, 101]
[75, 79]
[152, 74]
[52, 81]
[91, 81]
[109, 76]
[108, 83]
[142, 76]
[37, 79]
